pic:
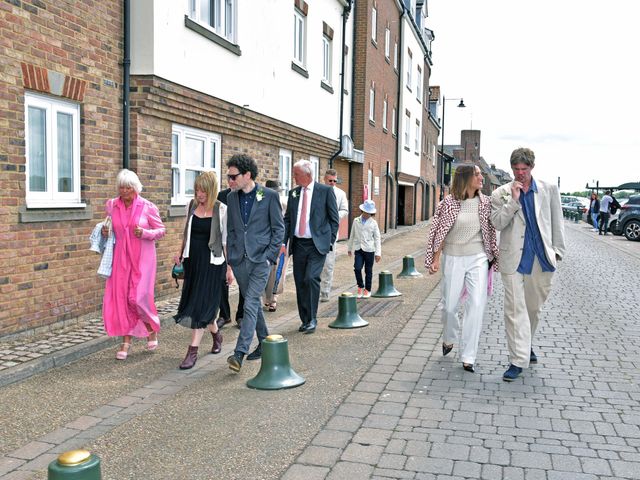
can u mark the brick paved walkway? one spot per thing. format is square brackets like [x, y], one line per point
[575, 415]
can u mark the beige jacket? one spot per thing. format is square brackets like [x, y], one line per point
[508, 218]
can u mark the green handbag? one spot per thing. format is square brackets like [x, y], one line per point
[177, 273]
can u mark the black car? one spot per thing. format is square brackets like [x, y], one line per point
[628, 223]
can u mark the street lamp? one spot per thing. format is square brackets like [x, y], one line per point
[445, 165]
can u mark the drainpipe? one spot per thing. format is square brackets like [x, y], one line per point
[386, 196]
[345, 16]
[126, 63]
[398, 116]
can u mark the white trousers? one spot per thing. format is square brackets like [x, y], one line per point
[524, 296]
[326, 279]
[470, 271]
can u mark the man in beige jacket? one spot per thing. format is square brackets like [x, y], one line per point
[528, 214]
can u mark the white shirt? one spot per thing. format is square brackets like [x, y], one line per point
[307, 233]
[604, 203]
[343, 203]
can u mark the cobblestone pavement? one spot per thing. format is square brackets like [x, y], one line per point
[574, 415]
[371, 408]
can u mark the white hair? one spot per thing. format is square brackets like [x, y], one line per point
[127, 178]
[305, 165]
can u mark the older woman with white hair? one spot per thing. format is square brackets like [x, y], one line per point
[128, 309]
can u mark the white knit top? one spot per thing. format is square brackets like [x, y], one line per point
[465, 236]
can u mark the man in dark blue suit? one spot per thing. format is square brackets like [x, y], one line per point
[311, 226]
[254, 235]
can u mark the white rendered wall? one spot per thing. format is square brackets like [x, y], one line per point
[261, 77]
[409, 161]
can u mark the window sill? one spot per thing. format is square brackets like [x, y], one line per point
[384, 129]
[297, 68]
[407, 149]
[387, 59]
[374, 42]
[372, 123]
[54, 213]
[326, 86]
[214, 37]
[177, 210]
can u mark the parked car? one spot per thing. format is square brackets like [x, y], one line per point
[566, 199]
[628, 223]
[574, 206]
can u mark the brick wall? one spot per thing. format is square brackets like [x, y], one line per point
[47, 273]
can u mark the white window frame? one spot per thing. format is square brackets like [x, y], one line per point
[409, 68]
[284, 171]
[387, 43]
[374, 24]
[327, 56]
[51, 197]
[395, 55]
[433, 155]
[212, 145]
[419, 85]
[394, 125]
[417, 137]
[299, 38]
[384, 114]
[315, 163]
[372, 103]
[224, 16]
[407, 129]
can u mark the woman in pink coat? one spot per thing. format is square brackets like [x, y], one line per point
[128, 308]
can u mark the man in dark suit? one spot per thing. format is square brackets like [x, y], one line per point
[225, 308]
[254, 235]
[311, 226]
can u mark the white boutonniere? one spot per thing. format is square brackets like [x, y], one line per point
[506, 196]
[259, 195]
[295, 194]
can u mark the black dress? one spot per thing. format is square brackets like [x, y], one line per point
[203, 280]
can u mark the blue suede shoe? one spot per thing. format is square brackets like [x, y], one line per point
[512, 373]
[533, 357]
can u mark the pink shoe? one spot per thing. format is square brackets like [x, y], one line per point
[152, 344]
[123, 352]
[366, 294]
[359, 292]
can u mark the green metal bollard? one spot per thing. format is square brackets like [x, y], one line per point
[578, 214]
[348, 313]
[408, 268]
[75, 465]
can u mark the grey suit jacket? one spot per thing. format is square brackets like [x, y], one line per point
[508, 218]
[323, 217]
[261, 239]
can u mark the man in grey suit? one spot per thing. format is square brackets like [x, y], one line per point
[528, 214]
[254, 235]
[311, 226]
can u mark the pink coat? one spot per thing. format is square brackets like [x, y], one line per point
[129, 293]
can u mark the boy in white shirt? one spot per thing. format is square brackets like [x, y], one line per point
[364, 243]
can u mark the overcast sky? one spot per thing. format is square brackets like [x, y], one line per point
[558, 76]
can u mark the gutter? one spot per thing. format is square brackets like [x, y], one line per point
[126, 64]
[394, 224]
[345, 16]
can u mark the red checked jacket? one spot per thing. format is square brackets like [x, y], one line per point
[444, 218]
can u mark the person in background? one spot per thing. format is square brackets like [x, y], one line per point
[594, 210]
[364, 244]
[605, 205]
[205, 269]
[528, 214]
[271, 298]
[225, 307]
[461, 231]
[128, 308]
[326, 279]
[311, 226]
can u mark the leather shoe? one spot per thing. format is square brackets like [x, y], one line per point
[190, 359]
[235, 361]
[468, 367]
[256, 354]
[222, 322]
[533, 358]
[303, 327]
[217, 342]
[446, 348]
[311, 326]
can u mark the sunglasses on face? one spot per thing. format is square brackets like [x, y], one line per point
[232, 176]
[332, 181]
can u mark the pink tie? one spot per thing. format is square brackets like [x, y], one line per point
[302, 226]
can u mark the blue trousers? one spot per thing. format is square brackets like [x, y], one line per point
[365, 259]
